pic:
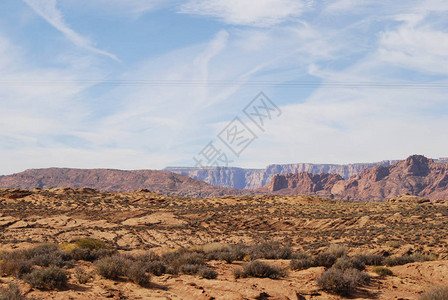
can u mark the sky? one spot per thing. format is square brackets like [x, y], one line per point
[146, 84]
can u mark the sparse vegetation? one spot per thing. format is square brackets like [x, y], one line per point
[383, 271]
[47, 278]
[136, 273]
[82, 276]
[261, 270]
[112, 267]
[12, 292]
[436, 293]
[342, 282]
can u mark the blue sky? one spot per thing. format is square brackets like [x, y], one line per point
[145, 84]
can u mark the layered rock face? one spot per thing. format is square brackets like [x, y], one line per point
[302, 183]
[115, 180]
[417, 175]
[252, 179]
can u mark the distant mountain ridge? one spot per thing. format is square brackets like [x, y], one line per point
[252, 179]
[115, 180]
[417, 175]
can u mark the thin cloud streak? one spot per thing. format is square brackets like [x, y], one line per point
[48, 11]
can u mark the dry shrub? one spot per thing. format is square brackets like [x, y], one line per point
[12, 292]
[271, 250]
[342, 282]
[15, 266]
[382, 271]
[136, 273]
[187, 259]
[302, 263]
[48, 278]
[207, 273]
[262, 270]
[370, 259]
[345, 263]
[189, 269]
[436, 293]
[82, 276]
[156, 268]
[112, 267]
[337, 250]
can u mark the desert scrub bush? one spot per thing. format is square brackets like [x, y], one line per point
[238, 273]
[12, 292]
[370, 259]
[270, 250]
[112, 267]
[325, 259]
[82, 276]
[147, 257]
[328, 257]
[156, 268]
[345, 263]
[187, 259]
[337, 250]
[304, 261]
[207, 273]
[189, 269]
[262, 270]
[17, 267]
[436, 293]
[382, 271]
[406, 259]
[47, 278]
[341, 282]
[136, 272]
[419, 257]
[91, 244]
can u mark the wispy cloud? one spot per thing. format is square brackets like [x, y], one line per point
[130, 7]
[47, 10]
[262, 13]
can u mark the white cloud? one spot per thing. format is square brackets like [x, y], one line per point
[47, 10]
[129, 7]
[262, 13]
[415, 47]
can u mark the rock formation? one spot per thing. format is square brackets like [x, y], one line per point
[415, 176]
[115, 180]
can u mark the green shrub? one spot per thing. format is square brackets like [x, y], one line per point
[12, 292]
[47, 279]
[436, 293]
[382, 271]
[90, 244]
